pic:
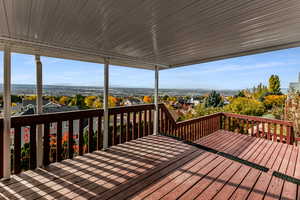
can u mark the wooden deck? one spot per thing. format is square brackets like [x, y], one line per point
[158, 167]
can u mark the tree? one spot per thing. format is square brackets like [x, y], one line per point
[272, 101]
[98, 103]
[201, 110]
[112, 101]
[31, 97]
[64, 100]
[240, 94]
[89, 101]
[78, 100]
[245, 106]
[214, 99]
[274, 84]
[147, 99]
[259, 91]
[16, 99]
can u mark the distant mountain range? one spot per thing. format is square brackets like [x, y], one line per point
[58, 90]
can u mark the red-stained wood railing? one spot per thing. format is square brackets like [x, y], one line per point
[67, 134]
[129, 123]
[194, 129]
[271, 129]
[62, 148]
[189, 130]
[125, 124]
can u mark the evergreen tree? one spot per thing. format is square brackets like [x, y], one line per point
[214, 99]
[274, 84]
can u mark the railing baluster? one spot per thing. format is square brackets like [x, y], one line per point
[275, 133]
[252, 128]
[59, 141]
[99, 133]
[196, 125]
[269, 131]
[115, 130]
[134, 131]
[80, 137]
[145, 123]
[122, 128]
[46, 141]
[281, 133]
[288, 134]
[140, 125]
[263, 130]
[127, 126]
[206, 127]
[17, 150]
[191, 131]
[32, 160]
[256, 124]
[70, 140]
[91, 135]
[161, 130]
[150, 123]
[165, 123]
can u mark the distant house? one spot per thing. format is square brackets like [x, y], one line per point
[49, 107]
[132, 101]
[295, 85]
[194, 101]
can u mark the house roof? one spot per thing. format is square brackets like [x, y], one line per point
[146, 33]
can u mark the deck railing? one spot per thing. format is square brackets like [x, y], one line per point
[271, 129]
[194, 129]
[189, 130]
[68, 134]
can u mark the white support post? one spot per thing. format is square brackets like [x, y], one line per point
[39, 109]
[6, 113]
[105, 103]
[156, 117]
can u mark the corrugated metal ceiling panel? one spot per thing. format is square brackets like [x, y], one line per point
[143, 33]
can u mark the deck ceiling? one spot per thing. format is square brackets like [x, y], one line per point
[145, 33]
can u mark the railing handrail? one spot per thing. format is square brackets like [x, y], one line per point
[200, 118]
[24, 120]
[227, 114]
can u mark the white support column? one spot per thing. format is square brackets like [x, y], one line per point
[156, 117]
[6, 113]
[105, 103]
[39, 109]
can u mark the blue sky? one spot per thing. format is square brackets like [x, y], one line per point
[235, 73]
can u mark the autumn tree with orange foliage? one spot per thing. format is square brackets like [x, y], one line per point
[147, 99]
[112, 101]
